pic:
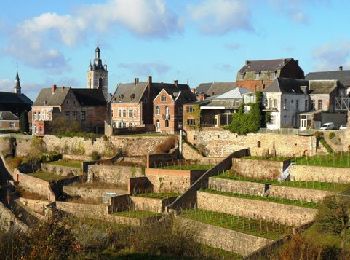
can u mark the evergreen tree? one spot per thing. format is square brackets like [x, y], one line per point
[23, 122]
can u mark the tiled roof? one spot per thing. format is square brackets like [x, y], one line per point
[342, 75]
[89, 97]
[13, 98]
[47, 98]
[264, 65]
[233, 94]
[323, 86]
[7, 115]
[215, 88]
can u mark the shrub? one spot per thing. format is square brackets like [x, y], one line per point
[167, 145]
[14, 163]
[331, 135]
[95, 156]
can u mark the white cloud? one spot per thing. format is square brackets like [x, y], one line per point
[146, 69]
[6, 85]
[221, 16]
[332, 55]
[145, 18]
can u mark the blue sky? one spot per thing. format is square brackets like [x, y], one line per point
[52, 42]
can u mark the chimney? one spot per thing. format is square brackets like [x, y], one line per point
[136, 81]
[150, 80]
[341, 68]
[176, 83]
[53, 89]
[247, 62]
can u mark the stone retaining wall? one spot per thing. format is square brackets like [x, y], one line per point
[259, 169]
[257, 209]
[115, 174]
[150, 204]
[167, 180]
[226, 239]
[88, 192]
[38, 206]
[321, 174]
[259, 189]
[9, 221]
[221, 143]
[61, 170]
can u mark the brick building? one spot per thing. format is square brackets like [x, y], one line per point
[132, 103]
[86, 107]
[256, 75]
[168, 109]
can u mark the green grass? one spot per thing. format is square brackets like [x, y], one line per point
[154, 195]
[67, 163]
[137, 214]
[47, 176]
[334, 160]
[189, 167]
[299, 203]
[334, 187]
[276, 159]
[249, 226]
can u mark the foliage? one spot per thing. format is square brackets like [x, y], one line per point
[95, 156]
[336, 160]
[331, 135]
[62, 126]
[243, 123]
[110, 149]
[67, 163]
[23, 122]
[326, 145]
[166, 145]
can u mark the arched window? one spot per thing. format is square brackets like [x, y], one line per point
[167, 112]
[166, 123]
[157, 110]
[100, 82]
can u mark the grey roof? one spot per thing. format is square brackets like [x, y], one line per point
[89, 97]
[342, 75]
[287, 85]
[215, 88]
[7, 115]
[233, 94]
[47, 98]
[264, 65]
[13, 98]
[323, 86]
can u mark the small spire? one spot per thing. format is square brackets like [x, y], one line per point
[18, 84]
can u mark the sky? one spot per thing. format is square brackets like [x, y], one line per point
[193, 41]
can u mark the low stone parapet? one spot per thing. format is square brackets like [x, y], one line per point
[150, 204]
[61, 170]
[90, 193]
[320, 174]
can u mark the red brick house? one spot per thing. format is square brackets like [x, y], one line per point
[86, 107]
[256, 75]
[168, 109]
[132, 103]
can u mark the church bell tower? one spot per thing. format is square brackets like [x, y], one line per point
[97, 76]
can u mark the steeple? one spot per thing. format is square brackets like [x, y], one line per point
[97, 53]
[18, 85]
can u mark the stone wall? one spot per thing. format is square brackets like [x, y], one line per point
[88, 192]
[221, 143]
[38, 206]
[226, 239]
[321, 174]
[150, 204]
[259, 189]
[155, 160]
[131, 145]
[139, 185]
[114, 174]
[9, 221]
[167, 180]
[61, 170]
[270, 211]
[188, 152]
[260, 169]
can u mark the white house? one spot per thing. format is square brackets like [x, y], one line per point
[285, 98]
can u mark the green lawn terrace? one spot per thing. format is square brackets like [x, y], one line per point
[140, 214]
[47, 176]
[67, 163]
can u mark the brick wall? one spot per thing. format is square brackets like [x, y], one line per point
[226, 239]
[221, 143]
[322, 174]
[270, 211]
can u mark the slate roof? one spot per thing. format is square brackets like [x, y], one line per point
[235, 93]
[323, 86]
[7, 115]
[89, 97]
[342, 75]
[215, 88]
[264, 65]
[287, 85]
[13, 98]
[46, 98]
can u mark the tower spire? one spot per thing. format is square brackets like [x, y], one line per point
[18, 84]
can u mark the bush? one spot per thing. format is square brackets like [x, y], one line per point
[167, 145]
[95, 156]
[331, 135]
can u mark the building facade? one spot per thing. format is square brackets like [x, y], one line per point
[8, 121]
[97, 75]
[256, 75]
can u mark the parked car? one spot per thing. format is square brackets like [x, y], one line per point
[327, 126]
[343, 127]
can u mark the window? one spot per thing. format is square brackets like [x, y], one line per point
[163, 98]
[189, 109]
[112, 113]
[275, 103]
[312, 104]
[83, 115]
[157, 110]
[120, 112]
[191, 122]
[167, 110]
[166, 123]
[12, 124]
[297, 105]
[75, 115]
[124, 112]
[67, 114]
[285, 104]
[319, 105]
[130, 113]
